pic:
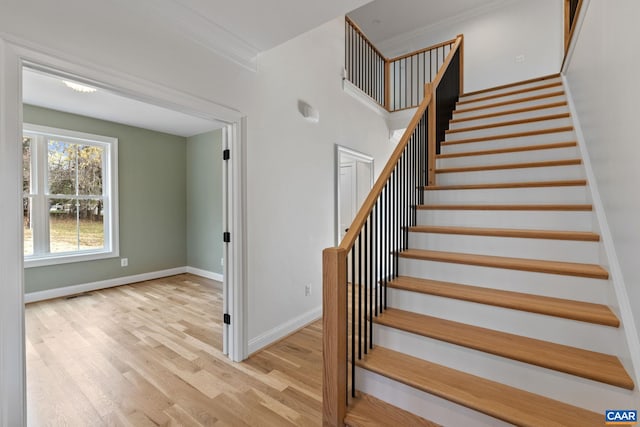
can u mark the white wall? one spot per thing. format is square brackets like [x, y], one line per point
[291, 171]
[603, 79]
[493, 37]
[290, 162]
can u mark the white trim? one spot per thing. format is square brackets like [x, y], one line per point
[103, 284]
[206, 274]
[617, 278]
[576, 32]
[281, 331]
[45, 59]
[189, 23]
[12, 343]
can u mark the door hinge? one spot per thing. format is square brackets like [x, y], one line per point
[226, 154]
[227, 319]
[226, 237]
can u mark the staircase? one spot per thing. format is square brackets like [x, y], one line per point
[499, 314]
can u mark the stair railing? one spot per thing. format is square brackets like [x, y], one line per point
[357, 272]
[394, 83]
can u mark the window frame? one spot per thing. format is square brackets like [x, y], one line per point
[39, 178]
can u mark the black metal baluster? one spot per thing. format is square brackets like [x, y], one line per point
[359, 241]
[353, 321]
[372, 269]
[366, 282]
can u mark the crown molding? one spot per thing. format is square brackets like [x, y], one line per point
[188, 23]
[402, 43]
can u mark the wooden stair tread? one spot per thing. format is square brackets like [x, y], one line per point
[506, 403]
[518, 207]
[584, 236]
[510, 135]
[511, 93]
[509, 150]
[511, 123]
[557, 307]
[368, 411]
[508, 85]
[499, 185]
[542, 164]
[514, 101]
[509, 112]
[588, 364]
[523, 264]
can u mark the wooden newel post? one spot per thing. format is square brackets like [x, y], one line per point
[387, 85]
[334, 336]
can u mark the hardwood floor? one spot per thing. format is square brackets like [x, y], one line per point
[149, 354]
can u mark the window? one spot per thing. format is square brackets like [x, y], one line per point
[69, 184]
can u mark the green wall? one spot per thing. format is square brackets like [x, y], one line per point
[204, 196]
[152, 199]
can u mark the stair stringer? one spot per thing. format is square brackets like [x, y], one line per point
[618, 296]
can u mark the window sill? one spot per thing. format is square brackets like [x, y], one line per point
[69, 258]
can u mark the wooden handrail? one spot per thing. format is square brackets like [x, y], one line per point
[418, 52]
[350, 237]
[362, 215]
[436, 80]
[366, 39]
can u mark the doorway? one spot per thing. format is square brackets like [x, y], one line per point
[354, 179]
[13, 57]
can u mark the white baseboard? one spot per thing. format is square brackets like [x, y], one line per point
[205, 273]
[103, 284]
[281, 331]
[615, 270]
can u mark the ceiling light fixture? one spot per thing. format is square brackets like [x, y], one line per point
[78, 87]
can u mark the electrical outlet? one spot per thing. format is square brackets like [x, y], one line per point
[124, 262]
[307, 290]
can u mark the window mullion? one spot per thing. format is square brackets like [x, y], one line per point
[40, 214]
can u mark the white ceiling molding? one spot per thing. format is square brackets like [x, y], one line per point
[403, 43]
[185, 21]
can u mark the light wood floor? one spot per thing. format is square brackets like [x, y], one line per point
[149, 355]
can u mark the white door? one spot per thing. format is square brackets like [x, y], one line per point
[348, 194]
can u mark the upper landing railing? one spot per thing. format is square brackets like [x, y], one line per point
[394, 83]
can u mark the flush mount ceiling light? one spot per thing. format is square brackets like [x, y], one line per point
[78, 87]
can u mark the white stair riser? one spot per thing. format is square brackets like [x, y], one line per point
[508, 196]
[516, 157]
[531, 85]
[550, 173]
[509, 117]
[556, 385]
[528, 220]
[552, 285]
[522, 141]
[463, 110]
[603, 339]
[507, 98]
[428, 406]
[553, 250]
[511, 129]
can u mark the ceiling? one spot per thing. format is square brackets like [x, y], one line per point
[49, 91]
[384, 19]
[238, 30]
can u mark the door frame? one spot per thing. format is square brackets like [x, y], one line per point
[357, 156]
[14, 52]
